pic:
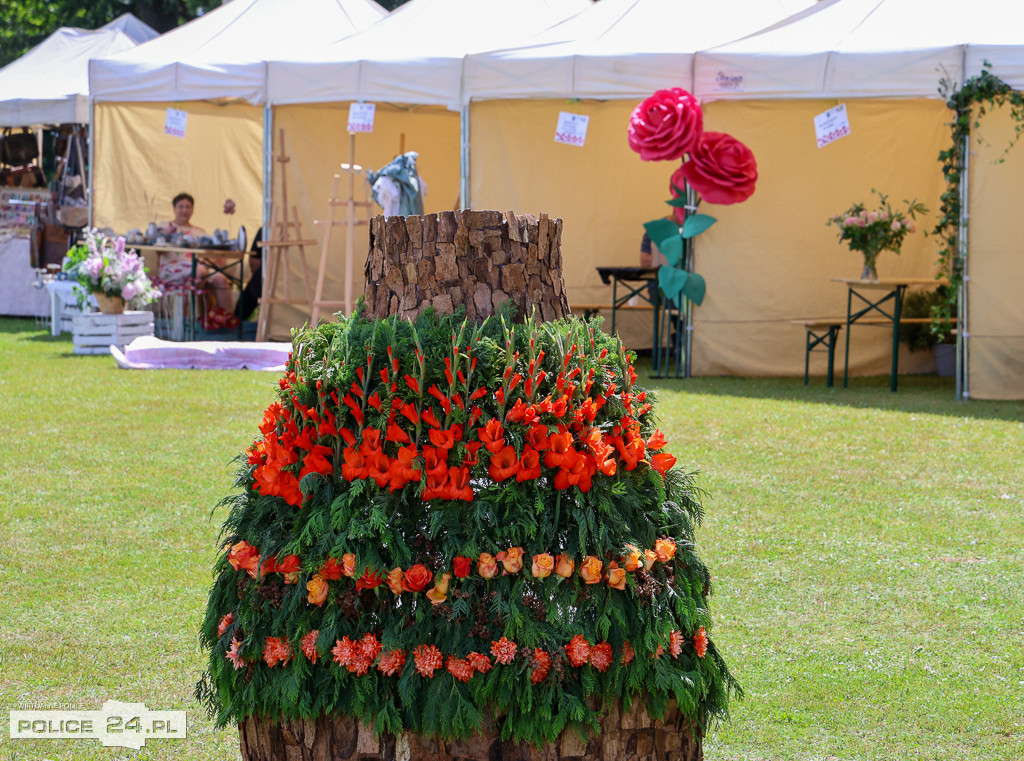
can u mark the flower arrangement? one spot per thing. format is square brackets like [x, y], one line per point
[103, 266]
[872, 231]
[716, 168]
[444, 521]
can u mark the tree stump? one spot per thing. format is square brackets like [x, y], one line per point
[632, 736]
[477, 258]
[480, 259]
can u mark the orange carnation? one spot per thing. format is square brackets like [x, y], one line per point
[504, 650]
[675, 643]
[460, 668]
[590, 569]
[541, 665]
[543, 565]
[427, 659]
[309, 645]
[317, 588]
[578, 650]
[700, 642]
[225, 621]
[601, 656]
[392, 662]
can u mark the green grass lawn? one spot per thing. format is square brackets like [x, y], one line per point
[866, 547]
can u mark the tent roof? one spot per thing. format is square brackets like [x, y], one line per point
[50, 83]
[620, 48]
[415, 55]
[865, 48]
[221, 54]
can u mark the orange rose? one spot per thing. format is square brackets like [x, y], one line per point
[632, 561]
[512, 559]
[543, 565]
[564, 566]
[590, 569]
[665, 549]
[439, 593]
[649, 558]
[417, 578]
[348, 564]
[487, 565]
[394, 580]
[331, 569]
[616, 576]
[317, 588]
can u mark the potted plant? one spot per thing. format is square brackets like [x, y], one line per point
[872, 231]
[923, 336]
[115, 276]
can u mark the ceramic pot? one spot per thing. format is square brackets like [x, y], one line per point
[109, 304]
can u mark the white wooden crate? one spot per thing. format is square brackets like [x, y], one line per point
[94, 332]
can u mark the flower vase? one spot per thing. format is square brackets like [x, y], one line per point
[109, 304]
[869, 272]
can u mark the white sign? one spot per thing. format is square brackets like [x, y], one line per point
[360, 117]
[175, 123]
[571, 129]
[831, 125]
[728, 81]
[117, 724]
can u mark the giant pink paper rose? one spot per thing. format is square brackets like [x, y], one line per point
[721, 169]
[666, 125]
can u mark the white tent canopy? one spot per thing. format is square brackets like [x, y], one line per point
[50, 83]
[868, 48]
[620, 48]
[415, 55]
[222, 53]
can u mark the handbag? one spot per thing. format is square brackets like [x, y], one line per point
[72, 206]
[19, 148]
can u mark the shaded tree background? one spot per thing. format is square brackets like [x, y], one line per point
[26, 23]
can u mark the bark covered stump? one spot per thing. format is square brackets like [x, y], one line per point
[481, 259]
[629, 736]
[477, 258]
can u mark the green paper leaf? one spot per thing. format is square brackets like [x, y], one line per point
[695, 225]
[672, 248]
[677, 202]
[660, 229]
[671, 280]
[679, 191]
[694, 288]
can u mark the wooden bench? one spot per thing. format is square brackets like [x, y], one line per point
[823, 331]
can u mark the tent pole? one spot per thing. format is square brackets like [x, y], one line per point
[464, 157]
[963, 332]
[91, 171]
[268, 166]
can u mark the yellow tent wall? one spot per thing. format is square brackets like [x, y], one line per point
[767, 261]
[995, 263]
[317, 143]
[139, 169]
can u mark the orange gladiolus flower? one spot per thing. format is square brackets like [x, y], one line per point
[487, 565]
[442, 439]
[559, 449]
[564, 566]
[504, 464]
[458, 484]
[616, 576]
[665, 549]
[537, 437]
[543, 565]
[662, 461]
[529, 465]
[656, 442]
[317, 588]
[590, 569]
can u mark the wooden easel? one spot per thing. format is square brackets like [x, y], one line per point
[285, 234]
[350, 223]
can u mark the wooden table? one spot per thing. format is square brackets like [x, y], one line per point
[207, 255]
[882, 291]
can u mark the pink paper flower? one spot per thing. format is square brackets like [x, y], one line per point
[666, 125]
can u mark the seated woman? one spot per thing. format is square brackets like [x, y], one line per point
[175, 267]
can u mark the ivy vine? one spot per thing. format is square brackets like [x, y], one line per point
[969, 102]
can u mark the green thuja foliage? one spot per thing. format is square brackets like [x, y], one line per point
[443, 521]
